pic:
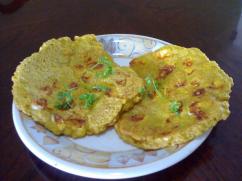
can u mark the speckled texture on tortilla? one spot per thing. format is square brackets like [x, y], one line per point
[193, 94]
[70, 68]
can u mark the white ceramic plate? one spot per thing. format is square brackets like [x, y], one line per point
[104, 156]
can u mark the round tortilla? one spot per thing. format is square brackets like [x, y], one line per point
[73, 87]
[185, 95]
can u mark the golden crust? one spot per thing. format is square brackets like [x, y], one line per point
[197, 87]
[71, 66]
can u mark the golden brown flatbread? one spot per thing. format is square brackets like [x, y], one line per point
[185, 95]
[73, 87]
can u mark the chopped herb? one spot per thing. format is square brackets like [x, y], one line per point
[104, 60]
[64, 100]
[108, 69]
[142, 90]
[63, 106]
[150, 82]
[88, 99]
[101, 88]
[175, 107]
[155, 85]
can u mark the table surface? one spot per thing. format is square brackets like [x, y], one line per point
[213, 26]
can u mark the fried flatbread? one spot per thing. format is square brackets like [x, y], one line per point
[185, 95]
[73, 87]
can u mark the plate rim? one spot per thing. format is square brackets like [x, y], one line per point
[104, 173]
[134, 35]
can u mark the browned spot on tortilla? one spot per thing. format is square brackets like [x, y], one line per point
[98, 66]
[168, 120]
[164, 71]
[134, 61]
[47, 89]
[41, 102]
[137, 117]
[181, 107]
[73, 85]
[152, 94]
[212, 87]
[90, 62]
[195, 83]
[58, 118]
[85, 78]
[180, 84]
[199, 92]
[108, 92]
[121, 82]
[79, 66]
[175, 127]
[54, 84]
[77, 121]
[197, 111]
[187, 63]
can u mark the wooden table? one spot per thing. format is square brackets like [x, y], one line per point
[214, 26]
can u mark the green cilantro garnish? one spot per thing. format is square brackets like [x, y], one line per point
[155, 85]
[104, 60]
[142, 91]
[150, 82]
[175, 107]
[108, 69]
[63, 106]
[101, 88]
[88, 99]
[64, 100]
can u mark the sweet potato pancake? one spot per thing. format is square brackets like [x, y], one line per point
[185, 94]
[73, 87]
